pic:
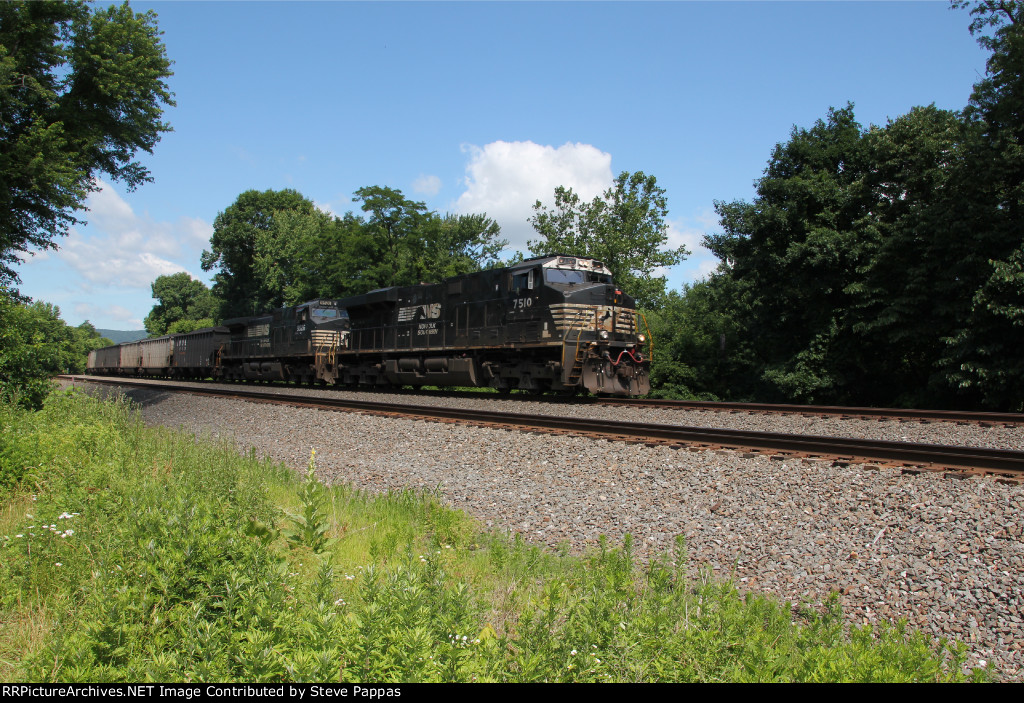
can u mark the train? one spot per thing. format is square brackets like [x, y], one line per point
[551, 323]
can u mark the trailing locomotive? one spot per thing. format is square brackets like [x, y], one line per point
[548, 323]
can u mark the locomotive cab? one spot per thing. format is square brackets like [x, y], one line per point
[578, 304]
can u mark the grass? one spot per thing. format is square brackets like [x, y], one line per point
[134, 554]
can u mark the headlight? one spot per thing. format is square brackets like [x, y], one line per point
[641, 338]
[603, 334]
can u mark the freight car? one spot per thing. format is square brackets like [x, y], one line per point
[548, 323]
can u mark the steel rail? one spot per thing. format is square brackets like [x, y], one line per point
[908, 414]
[812, 410]
[1009, 463]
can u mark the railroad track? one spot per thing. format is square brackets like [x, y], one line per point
[843, 412]
[958, 461]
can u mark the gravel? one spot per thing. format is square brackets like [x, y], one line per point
[945, 554]
[928, 432]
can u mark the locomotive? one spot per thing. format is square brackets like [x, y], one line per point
[548, 323]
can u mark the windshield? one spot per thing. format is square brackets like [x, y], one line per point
[563, 276]
[328, 313]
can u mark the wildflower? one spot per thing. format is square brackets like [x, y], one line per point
[28, 516]
[19, 535]
[340, 601]
[573, 652]
[58, 564]
[349, 577]
[64, 516]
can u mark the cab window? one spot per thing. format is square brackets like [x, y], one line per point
[522, 281]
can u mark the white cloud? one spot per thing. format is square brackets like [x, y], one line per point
[32, 256]
[325, 208]
[690, 231]
[122, 249]
[505, 179]
[426, 185]
[101, 261]
[118, 313]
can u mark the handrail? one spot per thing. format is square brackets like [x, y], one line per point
[650, 337]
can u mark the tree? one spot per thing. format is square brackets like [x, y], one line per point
[35, 344]
[793, 254]
[624, 228]
[452, 245]
[80, 93]
[246, 231]
[393, 223]
[181, 300]
[983, 360]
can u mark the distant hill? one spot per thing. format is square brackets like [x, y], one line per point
[118, 336]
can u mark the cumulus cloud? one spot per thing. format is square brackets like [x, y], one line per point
[100, 263]
[505, 179]
[690, 231]
[122, 249]
[426, 185]
[118, 313]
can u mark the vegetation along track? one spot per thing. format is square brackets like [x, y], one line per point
[1004, 464]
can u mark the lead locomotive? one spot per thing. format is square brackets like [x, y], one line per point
[548, 323]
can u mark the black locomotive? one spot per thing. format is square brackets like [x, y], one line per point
[549, 323]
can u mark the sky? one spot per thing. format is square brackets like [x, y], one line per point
[477, 107]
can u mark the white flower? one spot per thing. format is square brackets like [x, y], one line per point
[64, 516]
[58, 564]
[573, 652]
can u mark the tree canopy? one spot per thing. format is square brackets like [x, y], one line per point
[247, 231]
[624, 228]
[81, 92]
[875, 266]
[183, 304]
[275, 248]
[35, 344]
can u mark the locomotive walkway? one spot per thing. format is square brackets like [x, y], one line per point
[960, 461]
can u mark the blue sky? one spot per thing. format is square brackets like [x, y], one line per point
[486, 107]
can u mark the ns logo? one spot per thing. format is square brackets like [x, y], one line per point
[430, 311]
